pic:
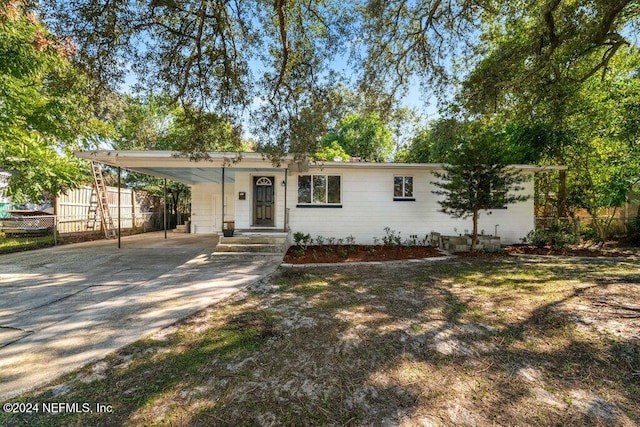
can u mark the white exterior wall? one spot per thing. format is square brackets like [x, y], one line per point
[206, 212]
[368, 207]
[244, 208]
[206, 209]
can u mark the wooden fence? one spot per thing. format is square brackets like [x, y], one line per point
[72, 209]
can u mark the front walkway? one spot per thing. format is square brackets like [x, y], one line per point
[64, 307]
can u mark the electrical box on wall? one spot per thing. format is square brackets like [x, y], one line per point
[242, 195]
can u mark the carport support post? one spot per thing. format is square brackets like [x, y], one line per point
[119, 198]
[222, 199]
[164, 209]
[286, 172]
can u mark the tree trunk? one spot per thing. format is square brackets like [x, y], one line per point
[474, 235]
[562, 194]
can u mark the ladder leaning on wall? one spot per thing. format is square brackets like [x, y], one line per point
[100, 203]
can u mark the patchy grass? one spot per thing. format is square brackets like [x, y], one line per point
[506, 341]
[18, 244]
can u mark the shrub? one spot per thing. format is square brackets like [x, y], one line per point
[633, 232]
[391, 238]
[302, 240]
[556, 239]
[412, 240]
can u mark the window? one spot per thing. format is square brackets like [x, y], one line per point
[498, 195]
[403, 188]
[319, 190]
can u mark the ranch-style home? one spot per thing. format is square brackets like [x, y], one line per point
[329, 199]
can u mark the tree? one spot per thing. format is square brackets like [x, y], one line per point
[153, 123]
[279, 58]
[362, 135]
[43, 109]
[478, 179]
[605, 158]
[217, 56]
[332, 152]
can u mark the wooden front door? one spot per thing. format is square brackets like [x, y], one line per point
[263, 201]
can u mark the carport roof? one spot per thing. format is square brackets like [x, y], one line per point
[178, 167]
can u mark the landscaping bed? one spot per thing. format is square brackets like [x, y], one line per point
[357, 253]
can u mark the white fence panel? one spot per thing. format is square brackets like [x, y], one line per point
[73, 209]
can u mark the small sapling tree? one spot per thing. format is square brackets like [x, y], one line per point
[478, 179]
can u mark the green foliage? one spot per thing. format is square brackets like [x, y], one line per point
[518, 144]
[537, 55]
[633, 232]
[555, 238]
[437, 143]
[331, 152]
[361, 135]
[604, 158]
[19, 244]
[478, 179]
[302, 240]
[44, 109]
[391, 237]
[155, 123]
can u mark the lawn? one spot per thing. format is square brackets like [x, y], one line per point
[27, 243]
[499, 341]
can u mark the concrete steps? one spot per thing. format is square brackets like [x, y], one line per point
[253, 243]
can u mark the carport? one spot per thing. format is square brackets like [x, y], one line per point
[219, 169]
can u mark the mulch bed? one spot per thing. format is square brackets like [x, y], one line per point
[357, 253]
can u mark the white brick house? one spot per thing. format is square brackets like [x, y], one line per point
[331, 199]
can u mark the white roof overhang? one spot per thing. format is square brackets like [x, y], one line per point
[178, 167]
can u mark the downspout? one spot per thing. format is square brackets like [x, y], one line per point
[164, 209]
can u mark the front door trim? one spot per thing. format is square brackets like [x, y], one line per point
[263, 205]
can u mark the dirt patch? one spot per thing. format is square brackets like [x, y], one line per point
[357, 253]
[483, 254]
[571, 251]
[483, 342]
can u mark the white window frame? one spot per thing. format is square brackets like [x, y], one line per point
[404, 197]
[326, 202]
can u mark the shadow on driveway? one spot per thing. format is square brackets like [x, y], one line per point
[64, 307]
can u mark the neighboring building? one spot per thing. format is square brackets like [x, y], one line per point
[5, 202]
[330, 199]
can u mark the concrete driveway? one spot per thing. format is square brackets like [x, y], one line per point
[63, 307]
